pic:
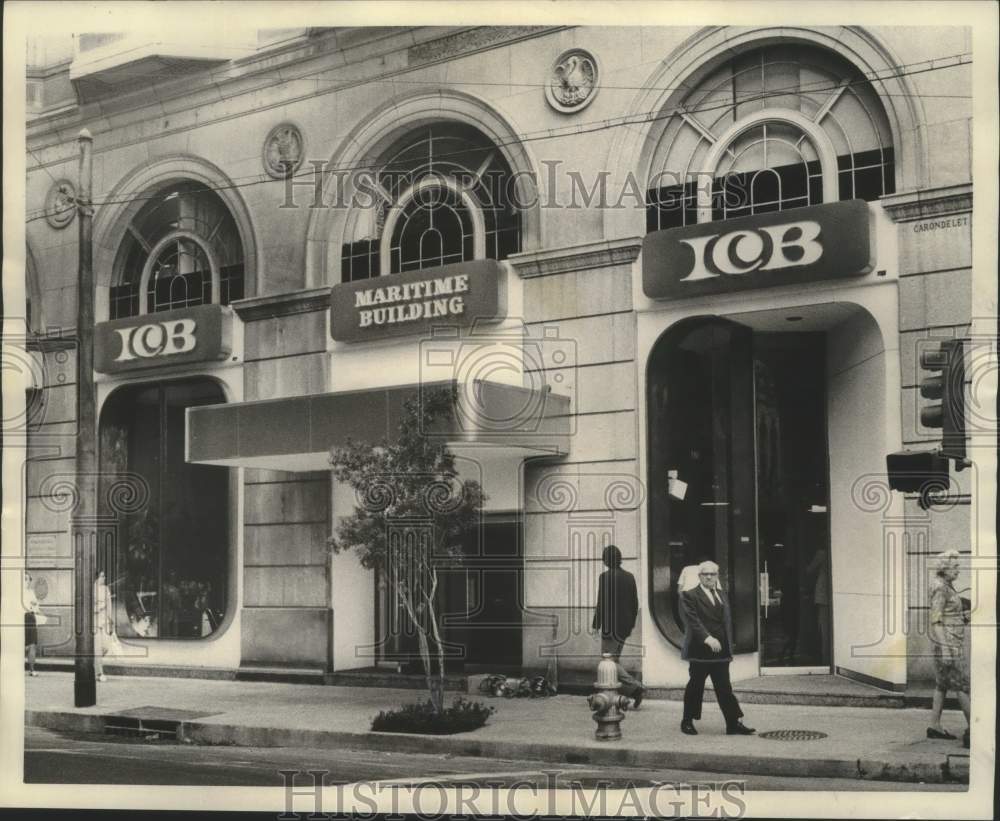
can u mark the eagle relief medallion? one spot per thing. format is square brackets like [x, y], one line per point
[284, 149]
[60, 204]
[572, 82]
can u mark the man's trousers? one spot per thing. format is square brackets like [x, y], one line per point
[695, 690]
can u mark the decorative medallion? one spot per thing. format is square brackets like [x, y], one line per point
[573, 82]
[60, 204]
[284, 150]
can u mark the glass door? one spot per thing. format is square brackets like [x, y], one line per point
[792, 502]
[701, 464]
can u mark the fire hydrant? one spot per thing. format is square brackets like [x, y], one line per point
[607, 703]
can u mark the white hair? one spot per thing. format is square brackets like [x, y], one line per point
[688, 578]
[708, 567]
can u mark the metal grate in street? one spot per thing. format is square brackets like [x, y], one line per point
[793, 735]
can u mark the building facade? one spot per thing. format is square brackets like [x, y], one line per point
[678, 276]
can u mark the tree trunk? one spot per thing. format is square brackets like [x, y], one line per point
[425, 651]
[439, 645]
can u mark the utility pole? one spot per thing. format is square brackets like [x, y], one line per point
[84, 525]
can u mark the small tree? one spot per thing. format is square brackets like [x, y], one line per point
[412, 514]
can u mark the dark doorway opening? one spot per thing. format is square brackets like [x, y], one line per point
[739, 474]
[479, 602]
[792, 499]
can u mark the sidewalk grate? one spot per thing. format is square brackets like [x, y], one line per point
[149, 723]
[793, 735]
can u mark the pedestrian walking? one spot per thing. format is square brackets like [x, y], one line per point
[708, 641]
[103, 623]
[615, 616]
[33, 616]
[947, 627]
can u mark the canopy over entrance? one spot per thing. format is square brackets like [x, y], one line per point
[296, 433]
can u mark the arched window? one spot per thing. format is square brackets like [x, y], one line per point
[779, 127]
[182, 248]
[770, 167]
[442, 194]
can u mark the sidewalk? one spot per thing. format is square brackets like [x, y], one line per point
[861, 742]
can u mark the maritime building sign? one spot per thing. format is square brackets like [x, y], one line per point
[782, 248]
[203, 333]
[415, 301]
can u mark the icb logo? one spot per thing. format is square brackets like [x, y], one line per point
[168, 338]
[767, 249]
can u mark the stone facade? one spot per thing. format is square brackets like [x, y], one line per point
[351, 93]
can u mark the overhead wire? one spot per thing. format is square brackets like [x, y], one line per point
[863, 78]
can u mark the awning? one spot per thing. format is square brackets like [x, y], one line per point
[296, 433]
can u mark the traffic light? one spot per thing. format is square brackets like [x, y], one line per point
[923, 472]
[944, 380]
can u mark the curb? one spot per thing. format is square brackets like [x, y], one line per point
[193, 732]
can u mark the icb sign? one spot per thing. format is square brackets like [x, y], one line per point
[199, 334]
[782, 248]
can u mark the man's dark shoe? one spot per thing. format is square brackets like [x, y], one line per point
[943, 734]
[637, 698]
[687, 727]
[739, 729]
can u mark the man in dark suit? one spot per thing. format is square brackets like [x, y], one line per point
[708, 641]
[615, 615]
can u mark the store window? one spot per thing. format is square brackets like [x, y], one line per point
[168, 573]
[792, 98]
[442, 194]
[182, 248]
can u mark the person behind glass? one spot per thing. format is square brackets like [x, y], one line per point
[615, 615]
[103, 624]
[31, 612]
[708, 649]
[947, 626]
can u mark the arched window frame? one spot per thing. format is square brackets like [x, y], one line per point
[226, 245]
[822, 86]
[154, 255]
[809, 129]
[434, 181]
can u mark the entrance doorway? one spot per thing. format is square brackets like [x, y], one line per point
[792, 501]
[478, 602]
[739, 474]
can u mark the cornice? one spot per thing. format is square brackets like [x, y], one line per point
[907, 206]
[337, 50]
[602, 254]
[308, 300]
[50, 341]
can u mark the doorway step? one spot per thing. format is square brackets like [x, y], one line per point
[382, 677]
[822, 690]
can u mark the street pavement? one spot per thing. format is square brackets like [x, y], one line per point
[52, 757]
[863, 743]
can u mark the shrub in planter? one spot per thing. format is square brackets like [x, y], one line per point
[461, 717]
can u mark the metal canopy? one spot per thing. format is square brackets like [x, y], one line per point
[296, 433]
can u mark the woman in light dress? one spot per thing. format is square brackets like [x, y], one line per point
[947, 627]
[104, 626]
